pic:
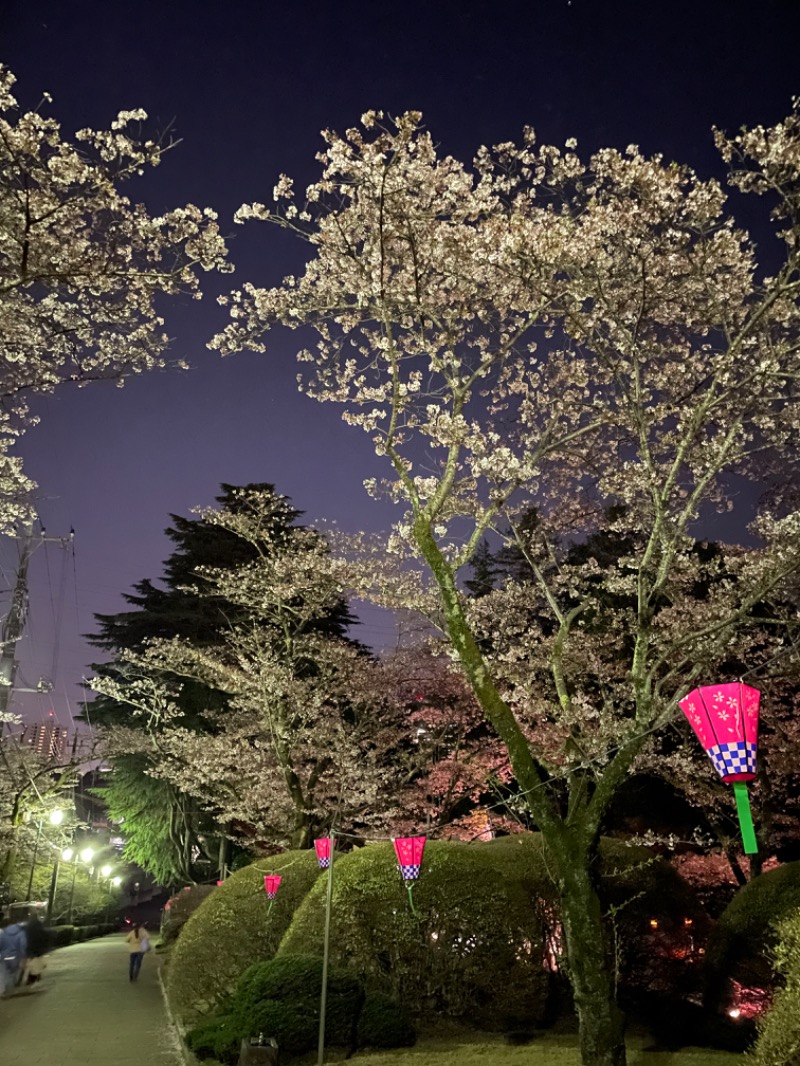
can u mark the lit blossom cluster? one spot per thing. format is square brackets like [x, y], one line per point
[81, 265]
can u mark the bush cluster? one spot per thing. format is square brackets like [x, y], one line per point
[63, 935]
[474, 946]
[233, 928]
[742, 942]
[778, 1041]
[281, 999]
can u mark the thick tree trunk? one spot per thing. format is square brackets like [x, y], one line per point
[590, 970]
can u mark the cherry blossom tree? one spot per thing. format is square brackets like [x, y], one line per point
[297, 744]
[81, 266]
[577, 335]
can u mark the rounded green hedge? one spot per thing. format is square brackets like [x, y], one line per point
[778, 1041]
[232, 929]
[474, 947]
[384, 1023]
[281, 999]
[486, 917]
[741, 944]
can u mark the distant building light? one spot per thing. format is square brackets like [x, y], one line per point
[734, 1012]
[654, 923]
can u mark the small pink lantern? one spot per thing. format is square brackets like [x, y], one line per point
[725, 719]
[322, 846]
[272, 882]
[409, 851]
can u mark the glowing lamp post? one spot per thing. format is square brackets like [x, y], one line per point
[272, 882]
[409, 851]
[725, 719]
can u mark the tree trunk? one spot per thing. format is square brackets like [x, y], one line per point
[590, 968]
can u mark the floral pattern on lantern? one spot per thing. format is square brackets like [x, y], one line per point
[725, 719]
[409, 852]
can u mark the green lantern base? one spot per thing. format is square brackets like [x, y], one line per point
[745, 818]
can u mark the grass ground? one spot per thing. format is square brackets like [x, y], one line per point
[466, 1048]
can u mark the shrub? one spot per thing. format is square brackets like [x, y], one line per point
[215, 1039]
[779, 1031]
[383, 1023]
[486, 918]
[281, 998]
[475, 946]
[741, 944]
[62, 935]
[232, 929]
[180, 908]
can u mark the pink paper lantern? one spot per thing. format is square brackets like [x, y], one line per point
[322, 846]
[272, 884]
[725, 719]
[409, 856]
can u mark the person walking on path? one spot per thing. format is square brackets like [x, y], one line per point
[13, 946]
[138, 943]
[38, 944]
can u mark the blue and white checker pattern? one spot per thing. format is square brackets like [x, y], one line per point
[736, 758]
[324, 863]
[410, 872]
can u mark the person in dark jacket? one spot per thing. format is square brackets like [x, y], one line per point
[13, 949]
[38, 945]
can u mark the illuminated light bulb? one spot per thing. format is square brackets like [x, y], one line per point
[56, 817]
[87, 854]
[654, 923]
[67, 854]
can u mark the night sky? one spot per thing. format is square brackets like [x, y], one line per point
[248, 86]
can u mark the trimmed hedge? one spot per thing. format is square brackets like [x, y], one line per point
[779, 1031]
[181, 907]
[744, 937]
[486, 912]
[63, 935]
[475, 947]
[384, 1023]
[281, 999]
[232, 929]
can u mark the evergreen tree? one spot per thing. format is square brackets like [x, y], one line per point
[166, 831]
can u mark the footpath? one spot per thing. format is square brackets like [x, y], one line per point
[85, 1012]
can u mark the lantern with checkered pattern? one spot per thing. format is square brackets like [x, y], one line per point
[409, 851]
[272, 882]
[725, 719]
[322, 846]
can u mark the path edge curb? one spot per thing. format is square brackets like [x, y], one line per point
[175, 1028]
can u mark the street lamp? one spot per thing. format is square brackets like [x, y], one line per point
[68, 855]
[55, 817]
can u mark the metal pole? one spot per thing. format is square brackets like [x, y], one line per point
[325, 952]
[72, 891]
[52, 894]
[33, 864]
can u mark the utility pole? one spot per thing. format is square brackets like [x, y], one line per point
[14, 622]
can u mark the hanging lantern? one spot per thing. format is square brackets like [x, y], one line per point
[725, 719]
[272, 883]
[409, 852]
[322, 846]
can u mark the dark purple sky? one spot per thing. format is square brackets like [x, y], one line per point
[248, 86]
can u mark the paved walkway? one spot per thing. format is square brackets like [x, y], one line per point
[85, 1012]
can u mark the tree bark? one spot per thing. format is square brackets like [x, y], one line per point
[590, 968]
